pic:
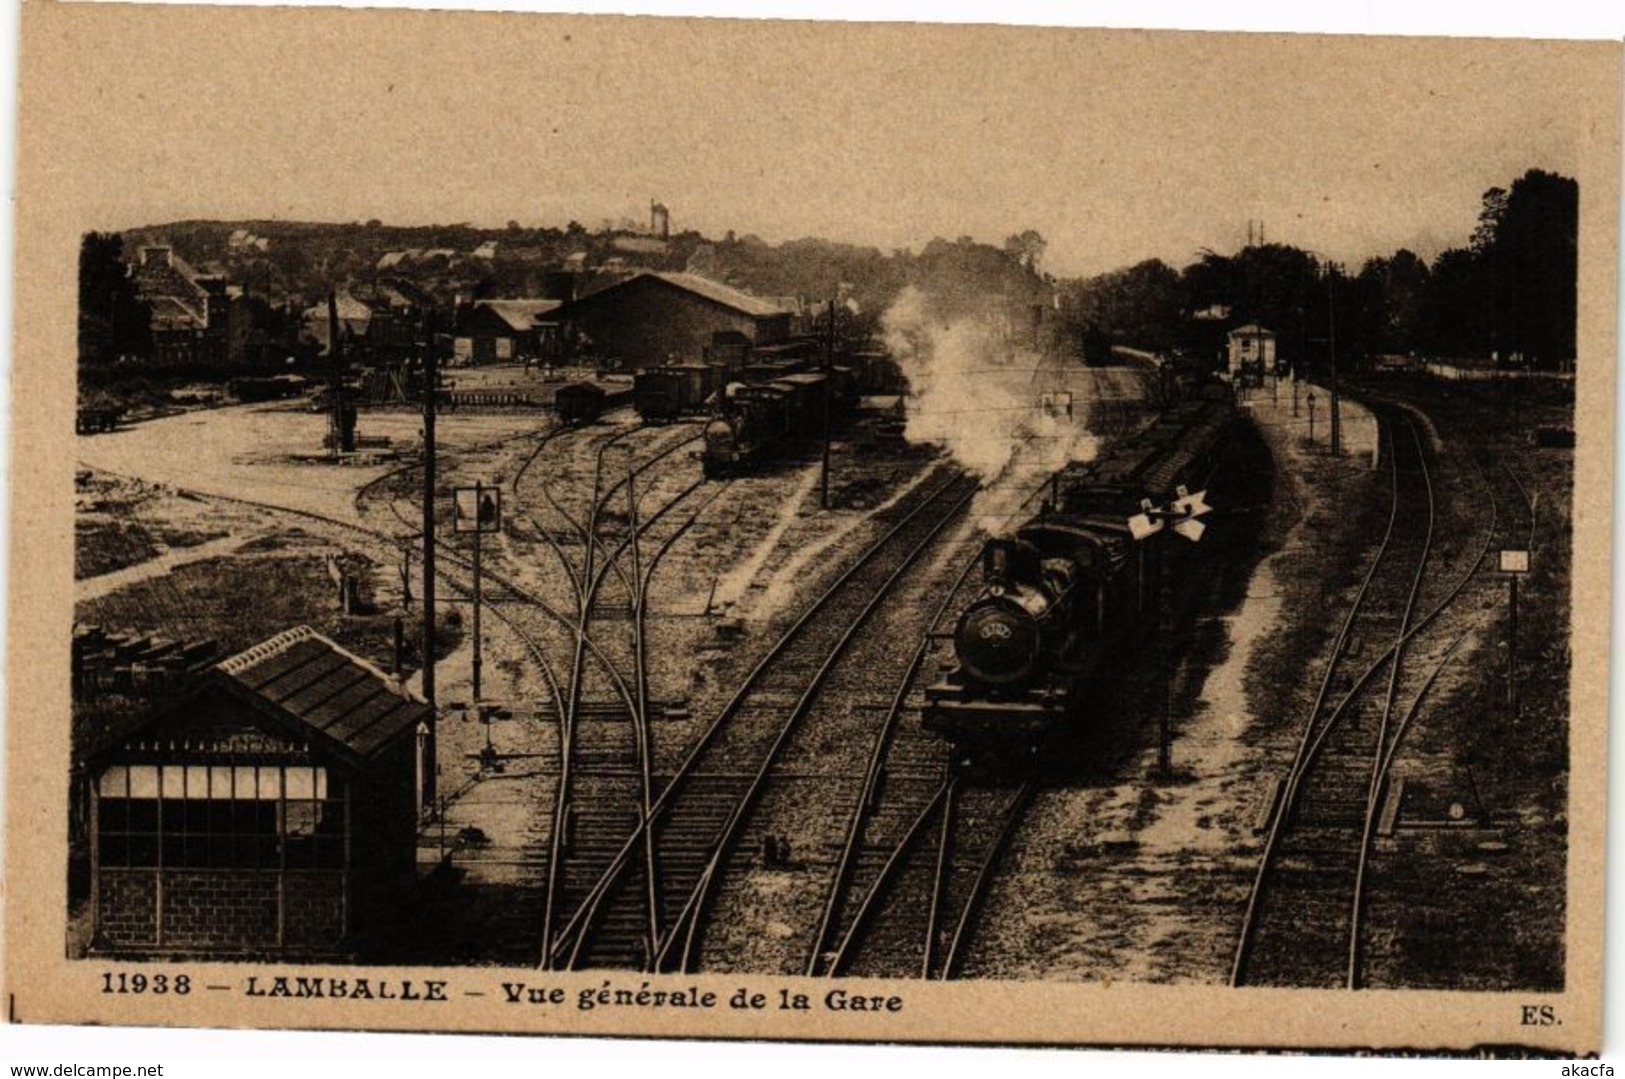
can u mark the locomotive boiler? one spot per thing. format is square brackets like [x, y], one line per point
[1071, 591]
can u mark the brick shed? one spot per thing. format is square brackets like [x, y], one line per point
[269, 813]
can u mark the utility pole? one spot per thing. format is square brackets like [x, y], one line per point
[1514, 564]
[431, 382]
[1512, 643]
[335, 386]
[829, 377]
[1165, 662]
[479, 494]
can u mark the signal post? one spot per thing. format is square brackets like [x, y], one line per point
[1182, 516]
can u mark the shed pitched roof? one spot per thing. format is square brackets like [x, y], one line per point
[1252, 329]
[326, 690]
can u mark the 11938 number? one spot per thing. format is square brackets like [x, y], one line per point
[121, 982]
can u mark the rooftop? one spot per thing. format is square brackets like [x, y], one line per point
[714, 291]
[326, 690]
[717, 292]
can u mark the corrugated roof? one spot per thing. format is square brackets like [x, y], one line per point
[325, 689]
[520, 314]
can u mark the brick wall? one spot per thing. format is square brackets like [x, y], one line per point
[128, 908]
[315, 919]
[220, 910]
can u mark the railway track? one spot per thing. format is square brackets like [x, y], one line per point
[697, 819]
[909, 801]
[940, 867]
[1303, 924]
[605, 783]
[600, 702]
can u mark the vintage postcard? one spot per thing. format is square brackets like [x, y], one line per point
[729, 529]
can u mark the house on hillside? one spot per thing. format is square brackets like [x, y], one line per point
[655, 318]
[355, 317]
[190, 310]
[243, 242]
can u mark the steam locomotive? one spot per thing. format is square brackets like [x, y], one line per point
[1071, 589]
[760, 420]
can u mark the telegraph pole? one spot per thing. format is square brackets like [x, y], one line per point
[479, 493]
[1331, 345]
[1514, 564]
[335, 388]
[1512, 643]
[431, 382]
[829, 376]
[1165, 764]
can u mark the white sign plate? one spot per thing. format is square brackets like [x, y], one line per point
[479, 509]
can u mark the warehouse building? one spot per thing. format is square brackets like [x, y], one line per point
[652, 319]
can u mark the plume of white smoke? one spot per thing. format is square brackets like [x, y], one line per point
[978, 395]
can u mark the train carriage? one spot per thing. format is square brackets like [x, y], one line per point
[666, 394]
[580, 403]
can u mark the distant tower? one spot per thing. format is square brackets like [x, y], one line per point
[659, 220]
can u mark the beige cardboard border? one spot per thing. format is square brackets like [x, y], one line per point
[61, 185]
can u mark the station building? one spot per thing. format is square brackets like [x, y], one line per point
[270, 813]
[651, 319]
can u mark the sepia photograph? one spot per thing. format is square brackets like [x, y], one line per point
[830, 531]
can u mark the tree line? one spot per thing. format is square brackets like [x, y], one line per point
[1508, 293]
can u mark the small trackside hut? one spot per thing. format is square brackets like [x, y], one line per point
[269, 813]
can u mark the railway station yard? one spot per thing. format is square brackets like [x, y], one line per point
[1116, 872]
[1124, 874]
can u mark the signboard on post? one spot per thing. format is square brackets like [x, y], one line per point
[1143, 524]
[1514, 561]
[478, 509]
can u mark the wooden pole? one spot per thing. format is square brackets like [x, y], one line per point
[1331, 344]
[479, 527]
[335, 377]
[1164, 749]
[1512, 643]
[431, 379]
[829, 376]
